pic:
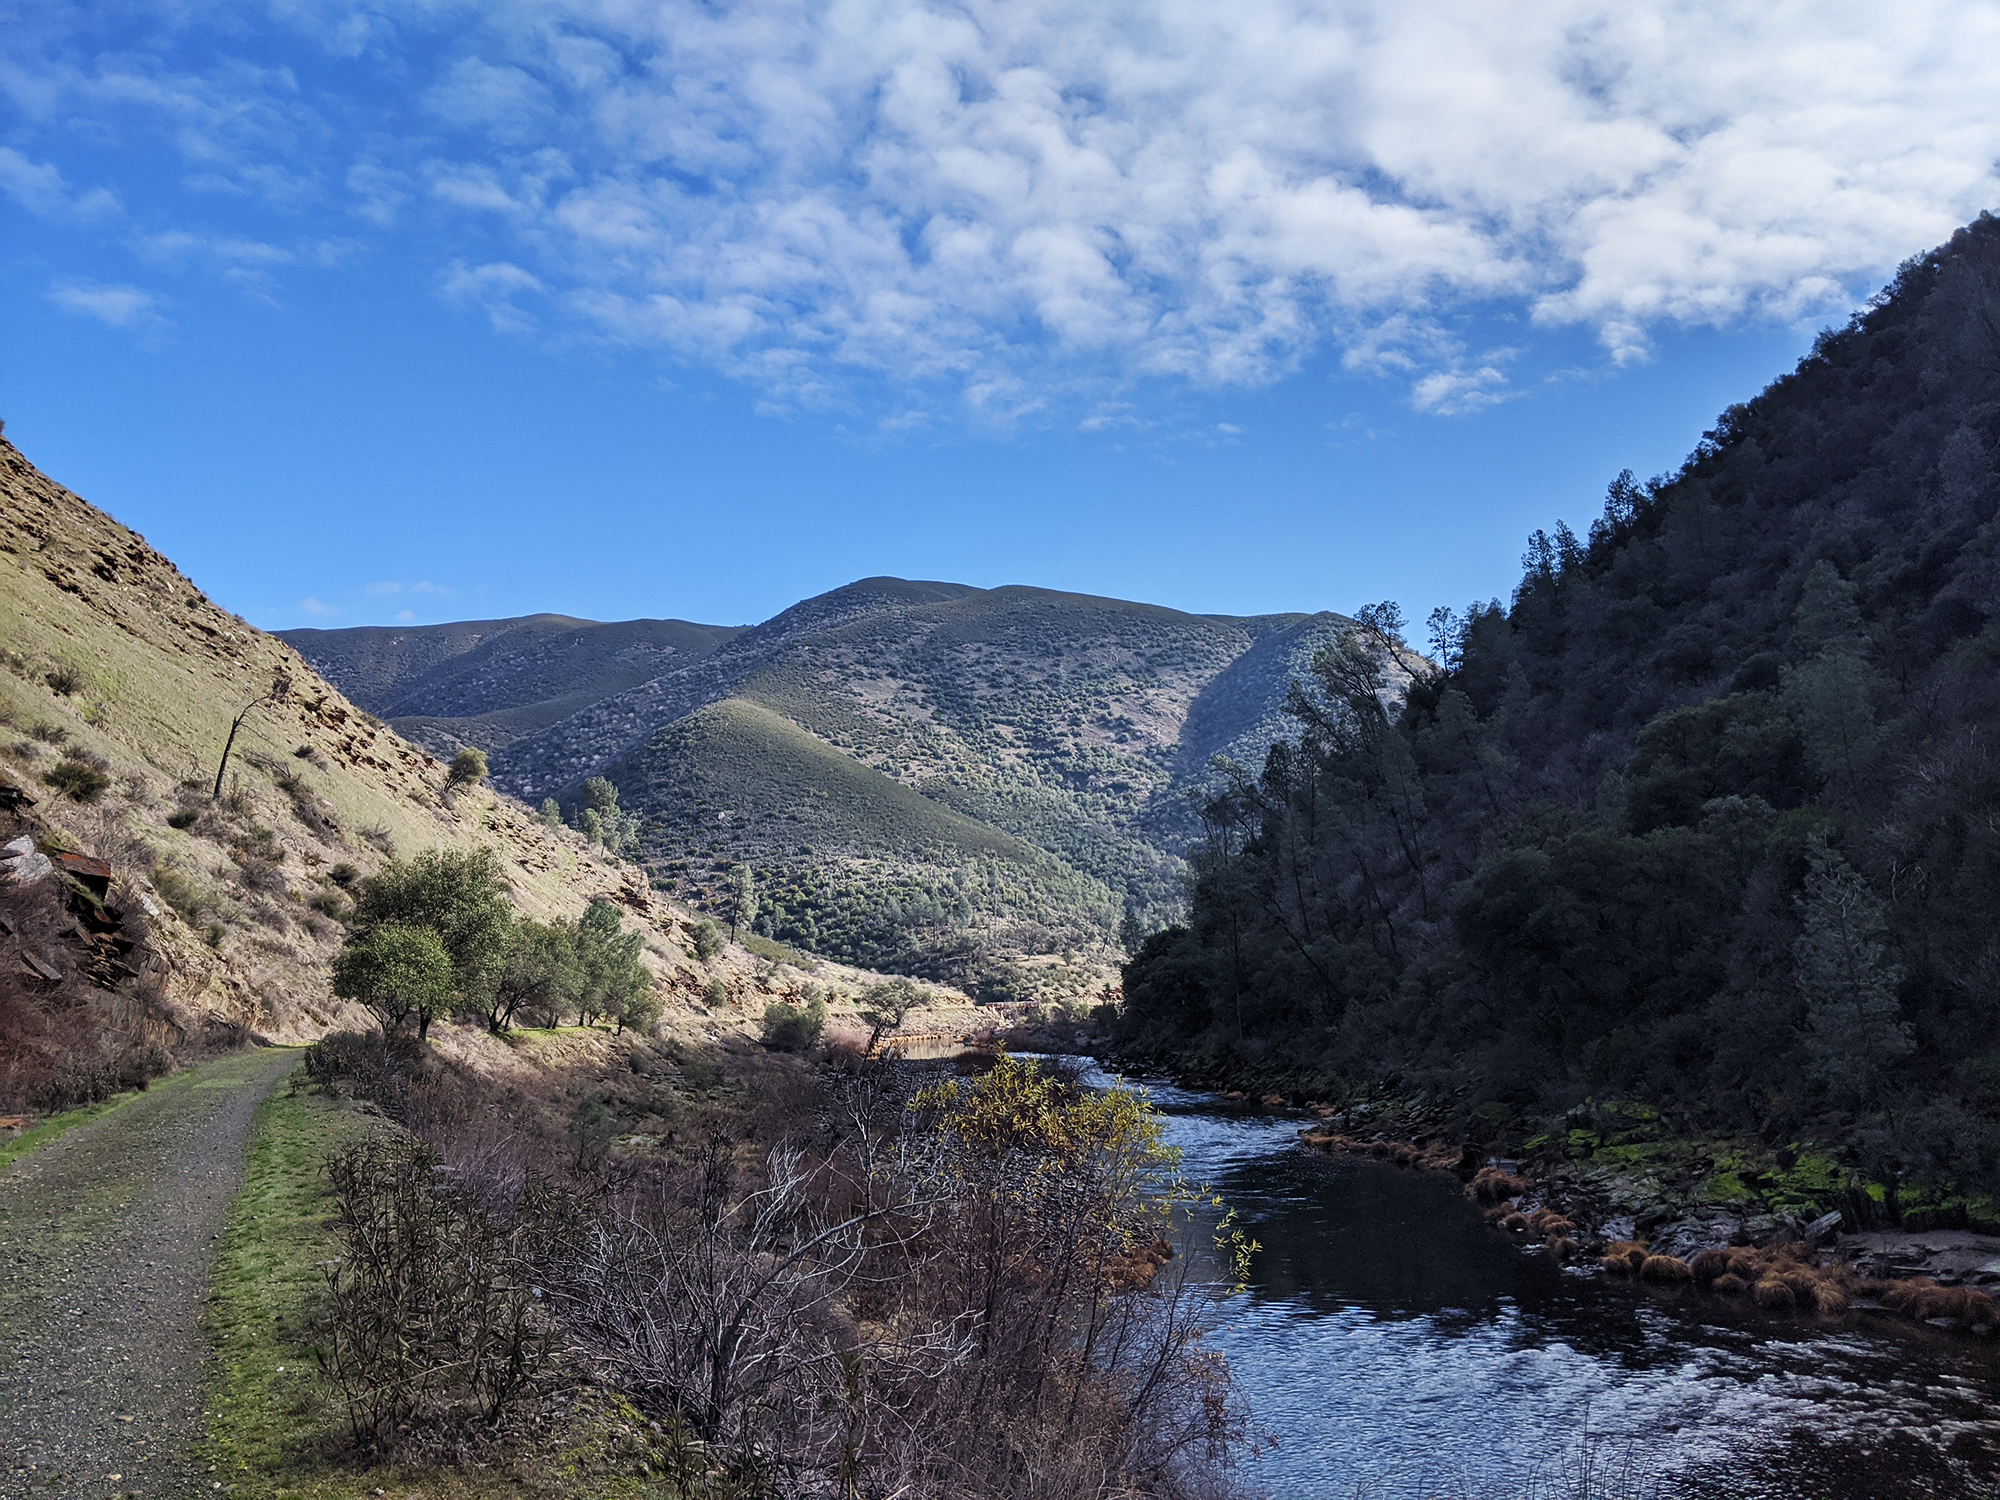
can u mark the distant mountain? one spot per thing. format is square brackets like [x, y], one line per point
[489, 682]
[923, 774]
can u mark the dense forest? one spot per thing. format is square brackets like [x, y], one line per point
[1705, 818]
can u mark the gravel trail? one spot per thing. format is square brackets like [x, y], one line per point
[106, 1242]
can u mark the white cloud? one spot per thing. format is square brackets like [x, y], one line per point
[40, 188]
[1024, 205]
[493, 288]
[129, 307]
[318, 609]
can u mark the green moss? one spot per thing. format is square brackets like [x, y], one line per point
[1728, 1187]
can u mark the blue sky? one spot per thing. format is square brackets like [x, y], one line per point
[429, 311]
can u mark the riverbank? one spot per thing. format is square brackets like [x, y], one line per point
[1610, 1178]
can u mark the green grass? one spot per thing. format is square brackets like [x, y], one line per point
[270, 1422]
[56, 1126]
[740, 758]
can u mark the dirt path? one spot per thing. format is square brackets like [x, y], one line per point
[106, 1240]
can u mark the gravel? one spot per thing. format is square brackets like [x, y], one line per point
[107, 1237]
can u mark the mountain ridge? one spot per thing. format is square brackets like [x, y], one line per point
[1079, 728]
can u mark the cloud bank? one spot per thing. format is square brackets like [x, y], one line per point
[1008, 206]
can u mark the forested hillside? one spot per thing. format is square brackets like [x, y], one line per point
[490, 682]
[947, 780]
[1704, 817]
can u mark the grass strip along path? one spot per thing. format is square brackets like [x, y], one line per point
[107, 1236]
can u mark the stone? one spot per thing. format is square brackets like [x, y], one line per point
[26, 869]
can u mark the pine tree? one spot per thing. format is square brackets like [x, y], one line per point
[1854, 1023]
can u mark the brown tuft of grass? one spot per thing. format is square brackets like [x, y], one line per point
[1729, 1284]
[1516, 1223]
[1491, 1184]
[1669, 1268]
[1559, 1247]
[1773, 1294]
[1709, 1265]
[1631, 1252]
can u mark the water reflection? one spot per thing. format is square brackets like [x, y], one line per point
[1393, 1345]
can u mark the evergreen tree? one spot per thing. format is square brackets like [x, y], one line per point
[1854, 1024]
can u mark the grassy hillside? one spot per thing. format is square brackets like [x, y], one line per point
[120, 679]
[852, 863]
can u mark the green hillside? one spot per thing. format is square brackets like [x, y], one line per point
[917, 727]
[850, 862]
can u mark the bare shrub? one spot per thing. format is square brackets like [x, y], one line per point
[307, 806]
[369, 1065]
[259, 873]
[432, 1321]
[968, 1305]
[47, 733]
[64, 679]
[379, 836]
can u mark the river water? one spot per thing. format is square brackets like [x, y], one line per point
[1393, 1346]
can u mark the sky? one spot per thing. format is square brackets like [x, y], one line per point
[419, 310]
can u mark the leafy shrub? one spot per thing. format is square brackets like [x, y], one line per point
[343, 874]
[793, 1028]
[64, 679]
[431, 1318]
[183, 817]
[707, 940]
[331, 904]
[716, 993]
[77, 779]
[47, 733]
[468, 768]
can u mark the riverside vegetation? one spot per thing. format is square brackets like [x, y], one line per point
[1683, 864]
[862, 1279]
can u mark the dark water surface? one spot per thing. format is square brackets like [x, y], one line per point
[1394, 1346]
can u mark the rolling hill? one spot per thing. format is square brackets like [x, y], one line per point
[167, 919]
[925, 775]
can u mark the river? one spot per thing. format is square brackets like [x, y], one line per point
[1394, 1347]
